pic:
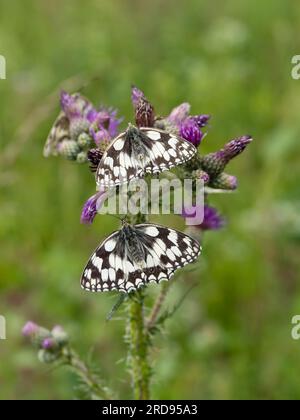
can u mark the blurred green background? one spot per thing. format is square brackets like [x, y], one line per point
[232, 337]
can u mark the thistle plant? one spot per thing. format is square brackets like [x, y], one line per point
[87, 135]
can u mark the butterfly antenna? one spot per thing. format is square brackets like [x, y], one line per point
[121, 219]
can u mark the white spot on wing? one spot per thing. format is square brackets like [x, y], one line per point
[110, 245]
[152, 231]
[118, 144]
[154, 135]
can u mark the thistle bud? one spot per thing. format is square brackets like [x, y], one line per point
[200, 174]
[49, 344]
[78, 125]
[69, 149]
[35, 333]
[60, 335]
[144, 113]
[224, 182]
[48, 357]
[136, 95]
[215, 163]
[85, 141]
[82, 157]
[30, 329]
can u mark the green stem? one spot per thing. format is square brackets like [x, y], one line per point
[157, 306]
[138, 346]
[96, 389]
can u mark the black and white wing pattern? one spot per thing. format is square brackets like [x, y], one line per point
[58, 133]
[137, 255]
[61, 128]
[139, 151]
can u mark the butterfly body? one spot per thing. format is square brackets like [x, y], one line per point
[137, 255]
[139, 151]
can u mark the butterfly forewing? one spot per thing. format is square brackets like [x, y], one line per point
[114, 266]
[161, 151]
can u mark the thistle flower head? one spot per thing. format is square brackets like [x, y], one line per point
[144, 111]
[187, 126]
[234, 148]
[74, 105]
[202, 119]
[30, 329]
[104, 125]
[136, 95]
[211, 218]
[92, 206]
[49, 344]
[189, 130]
[68, 105]
[179, 114]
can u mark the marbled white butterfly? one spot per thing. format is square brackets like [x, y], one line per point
[137, 255]
[138, 151]
[61, 128]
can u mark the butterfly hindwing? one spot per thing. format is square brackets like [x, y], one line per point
[113, 265]
[159, 151]
[172, 248]
[58, 133]
[166, 150]
[100, 273]
[61, 128]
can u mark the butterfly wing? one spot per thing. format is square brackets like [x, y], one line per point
[112, 267]
[169, 250]
[119, 164]
[58, 133]
[166, 150]
[161, 152]
[106, 267]
[61, 128]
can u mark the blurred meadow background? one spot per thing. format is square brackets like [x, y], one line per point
[231, 339]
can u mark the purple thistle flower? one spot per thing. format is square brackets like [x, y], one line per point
[68, 105]
[202, 120]
[92, 206]
[212, 220]
[100, 136]
[179, 114]
[136, 95]
[190, 131]
[104, 124]
[48, 344]
[234, 148]
[74, 105]
[30, 329]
